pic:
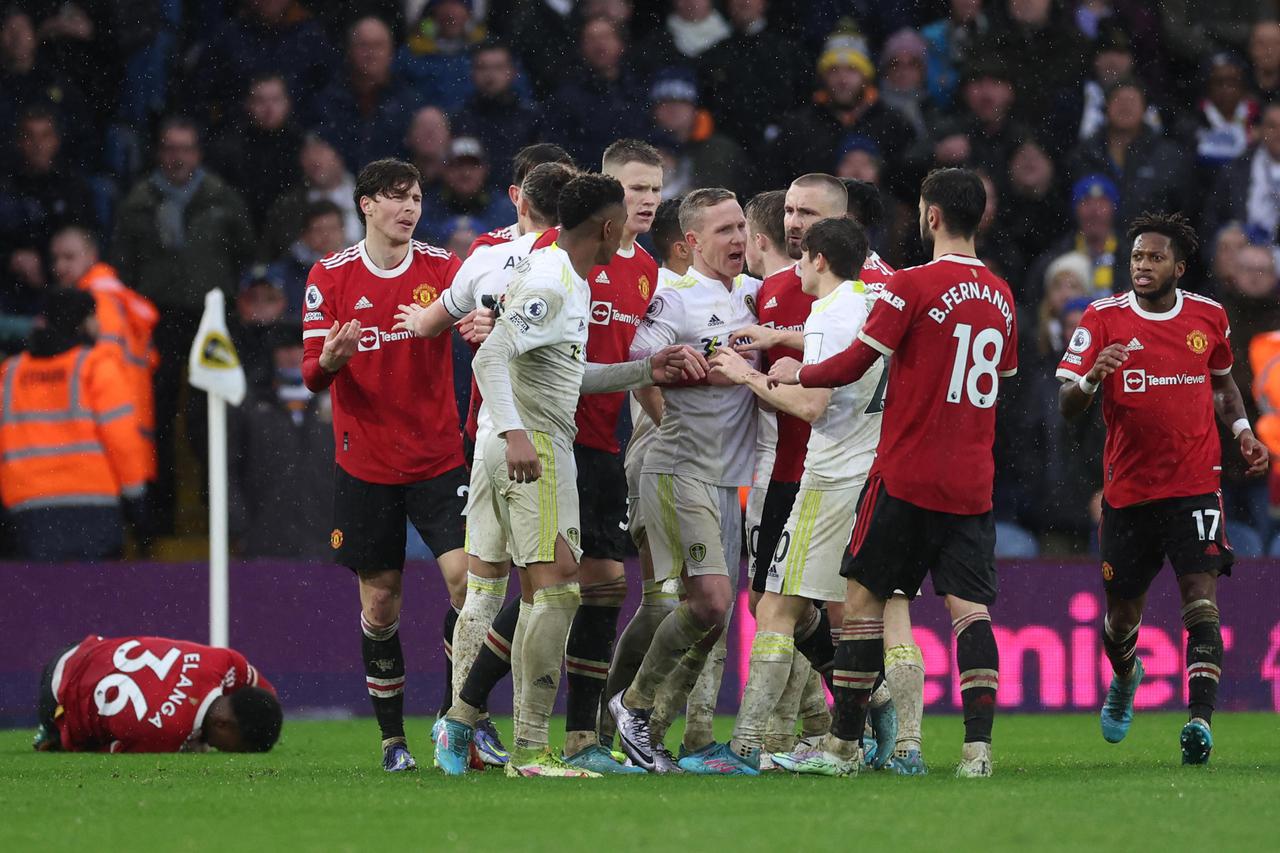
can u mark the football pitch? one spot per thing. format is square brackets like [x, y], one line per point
[1057, 786]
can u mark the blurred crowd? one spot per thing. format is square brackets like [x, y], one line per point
[158, 148]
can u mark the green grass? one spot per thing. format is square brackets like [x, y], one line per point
[1057, 786]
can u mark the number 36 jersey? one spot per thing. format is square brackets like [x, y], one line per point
[142, 694]
[707, 432]
[951, 329]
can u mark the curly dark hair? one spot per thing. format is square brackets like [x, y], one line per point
[585, 196]
[1182, 236]
[258, 716]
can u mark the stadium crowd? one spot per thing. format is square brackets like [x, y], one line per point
[158, 149]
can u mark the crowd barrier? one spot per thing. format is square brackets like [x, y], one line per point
[299, 623]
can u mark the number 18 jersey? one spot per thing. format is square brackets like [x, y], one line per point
[951, 329]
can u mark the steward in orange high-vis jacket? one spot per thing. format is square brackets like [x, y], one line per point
[71, 453]
[126, 319]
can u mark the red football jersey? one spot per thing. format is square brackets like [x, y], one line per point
[495, 237]
[620, 293]
[142, 694]
[1162, 440]
[951, 329]
[875, 273]
[783, 305]
[395, 418]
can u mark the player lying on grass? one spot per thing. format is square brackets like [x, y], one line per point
[153, 694]
[1162, 358]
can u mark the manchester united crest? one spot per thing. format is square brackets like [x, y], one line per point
[425, 294]
[335, 539]
[643, 284]
[1197, 341]
[1107, 572]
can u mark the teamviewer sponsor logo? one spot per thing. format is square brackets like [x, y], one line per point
[370, 339]
[601, 312]
[1139, 380]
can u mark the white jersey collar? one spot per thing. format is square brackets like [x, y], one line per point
[961, 259]
[399, 270]
[1155, 315]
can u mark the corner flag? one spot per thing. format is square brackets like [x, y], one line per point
[214, 366]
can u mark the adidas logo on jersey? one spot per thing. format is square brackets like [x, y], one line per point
[603, 278]
[715, 321]
[1133, 345]
[772, 303]
[363, 303]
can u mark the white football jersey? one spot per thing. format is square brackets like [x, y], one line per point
[643, 429]
[842, 442]
[547, 307]
[487, 271]
[707, 432]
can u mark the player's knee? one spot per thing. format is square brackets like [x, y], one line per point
[1123, 617]
[381, 607]
[1200, 586]
[710, 611]
[609, 593]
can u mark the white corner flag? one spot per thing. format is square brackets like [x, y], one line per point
[214, 367]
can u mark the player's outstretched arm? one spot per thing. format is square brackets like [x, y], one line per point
[1075, 396]
[422, 322]
[758, 338]
[841, 369]
[808, 404]
[477, 326]
[1229, 405]
[667, 365]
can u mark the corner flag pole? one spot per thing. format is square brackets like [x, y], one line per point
[219, 549]
[215, 368]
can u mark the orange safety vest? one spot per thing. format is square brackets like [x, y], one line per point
[68, 431]
[1264, 358]
[126, 321]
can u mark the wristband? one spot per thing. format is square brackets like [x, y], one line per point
[1088, 387]
[1240, 426]
[798, 369]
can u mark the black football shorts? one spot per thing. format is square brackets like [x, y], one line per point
[369, 518]
[896, 544]
[1191, 532]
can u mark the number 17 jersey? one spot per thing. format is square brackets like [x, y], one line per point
[951, 329]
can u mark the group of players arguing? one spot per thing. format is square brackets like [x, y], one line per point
[858, 402]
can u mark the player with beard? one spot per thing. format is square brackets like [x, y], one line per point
[805, 569]
[926, 508]
[1162, 358]
[703, 453]
[784, 306]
